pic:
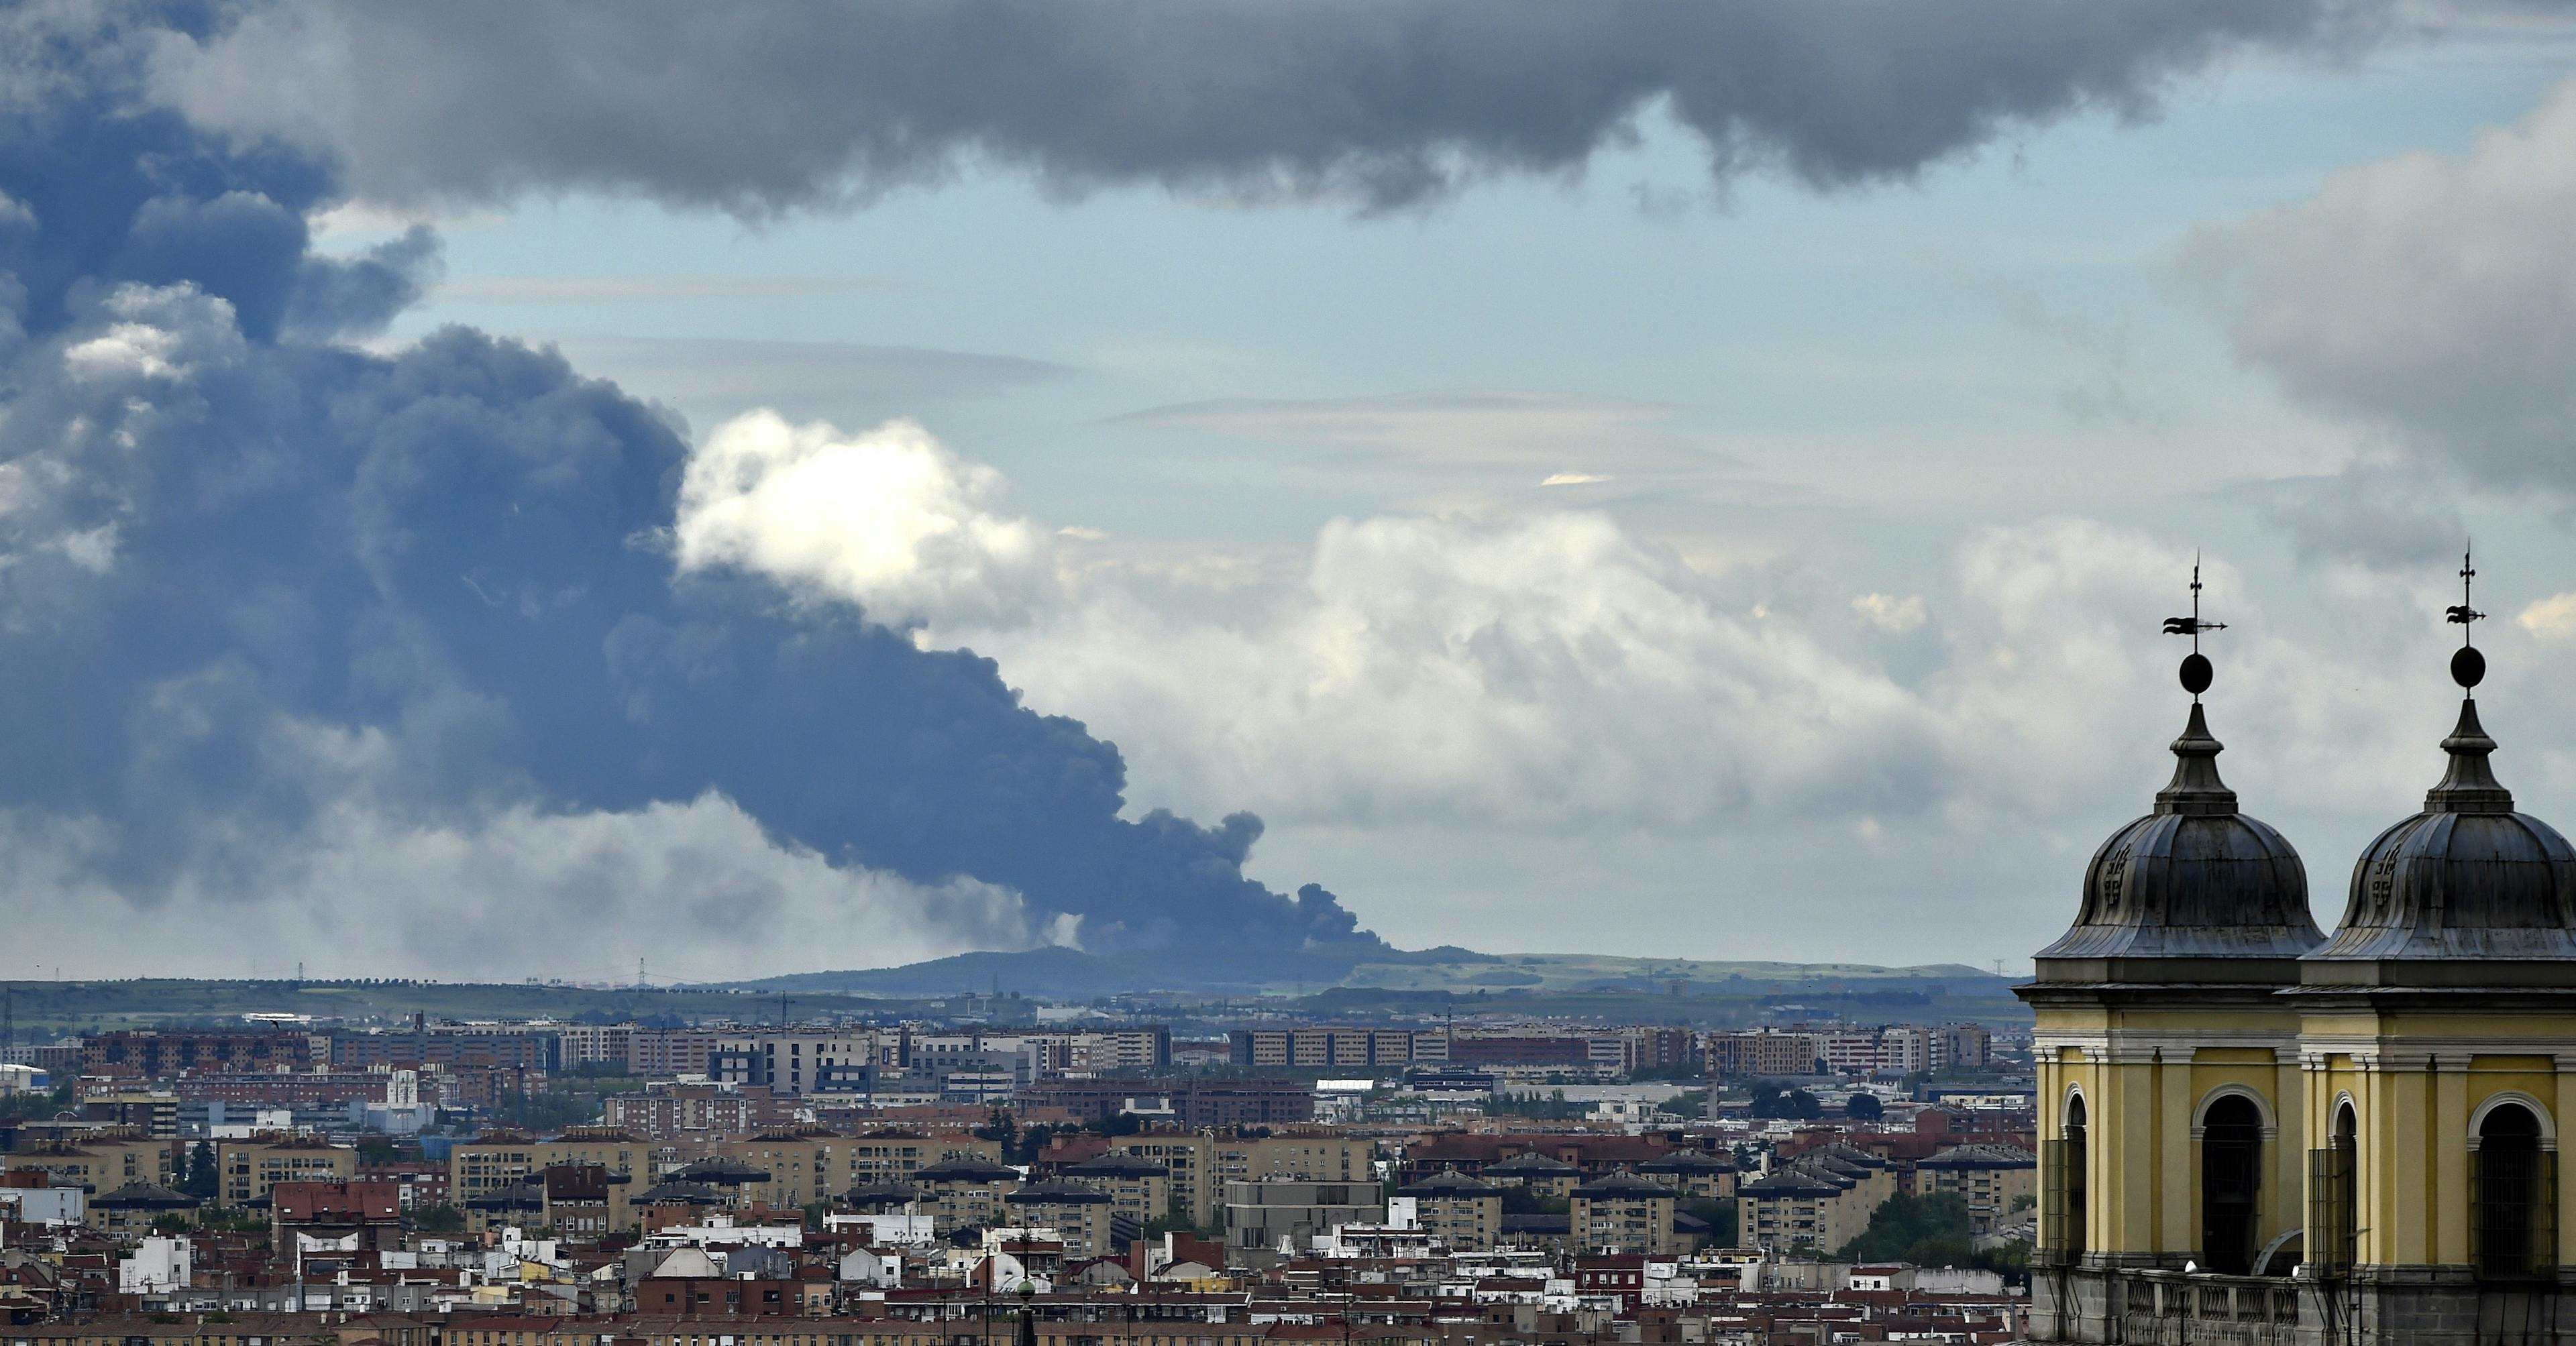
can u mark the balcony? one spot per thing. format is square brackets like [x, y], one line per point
[2170, 1308]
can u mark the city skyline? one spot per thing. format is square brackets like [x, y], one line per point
[530, 493]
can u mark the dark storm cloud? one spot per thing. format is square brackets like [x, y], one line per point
[757, 108]
[241, 569]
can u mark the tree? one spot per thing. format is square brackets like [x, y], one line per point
[1929, 1231]
[202, 1181]
[1864, 1108]
[439, 1219]
[1770, 1101]
[1718, 1215]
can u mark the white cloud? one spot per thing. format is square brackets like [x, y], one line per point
[153, 332]
[2552, 618]
[2431, 296]
[1573, 479]
[1890, 613]
[887, 518]
[695, 888]
[1477, 429]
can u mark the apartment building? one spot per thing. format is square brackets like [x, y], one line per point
[1263, 1214]
[597, 1045]
[1624, 1213]
[1822, 1199]
[99, 1161]
[672, 1051]
[1695, 1174]
[667, 1112]
[962, 1192]
[152, 1054]
[1323, 1047]
[156, 1114]
[1139, 1188]
[1201, 1163]
[498, 1160]
[1121, 1049]
[247, 1169]
[1456, 1209]
[1761, 1052]
[1792, 1209]
[797, 1061]
[1995, 1180]
[1084, 1215]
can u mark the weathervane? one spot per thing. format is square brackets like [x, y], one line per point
[2468, 667]
[2195, 665]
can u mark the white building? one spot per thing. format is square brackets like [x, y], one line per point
[159, 1265]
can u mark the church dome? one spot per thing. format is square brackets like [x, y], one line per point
[2466, 879]
[2193, 892]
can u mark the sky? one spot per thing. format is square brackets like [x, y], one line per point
[490, 491]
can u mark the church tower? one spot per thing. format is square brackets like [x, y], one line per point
[2258, 1136]
[2171, 1132]
[2438, 1053]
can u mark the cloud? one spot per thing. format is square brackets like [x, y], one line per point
[695, 888]
[1573, 479]
[2370, 515]
[2552, 618]
[644, 289]
[887, 519]
[1548, 672]
[1555, 676]
[2431, 299]
[1890, 613]
[1377, 102]
[818, 374]
[1496, 430]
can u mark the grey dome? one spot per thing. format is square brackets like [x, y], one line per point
[2468, 879]
[2193, 892]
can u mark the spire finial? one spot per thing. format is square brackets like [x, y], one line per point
[2468, 667]
[2195, 665]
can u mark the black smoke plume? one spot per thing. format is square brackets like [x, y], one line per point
[245, 562]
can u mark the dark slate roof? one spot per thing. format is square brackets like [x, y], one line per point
[1058, 1192]
[1116, 1165]
[965, 1168]
[1449, 1182]
[144, 1196]
[723, 1171]
[516, 1196]
[2195, 891]
[1540, 1224]
[1531, 1164]
[1981, 1156]
[2468, 883]
[1688, 1162]
[1623, 1185]
[881, 1194]
[1789, 1182]
[681, 1194]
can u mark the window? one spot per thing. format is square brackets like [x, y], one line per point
[2333, 1208]
[2513, 1185]
[2231, 1179]
[2062, 1214]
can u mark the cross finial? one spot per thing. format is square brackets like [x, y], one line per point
[2195, 666]
[2468, 667]
[2464, 614]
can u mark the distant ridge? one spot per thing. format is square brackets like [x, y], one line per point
[1072, 974]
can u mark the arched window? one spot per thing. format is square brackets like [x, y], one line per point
[2513, 1182]
[2062, 1212]
[2231, 1179]
[2334, 1217]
